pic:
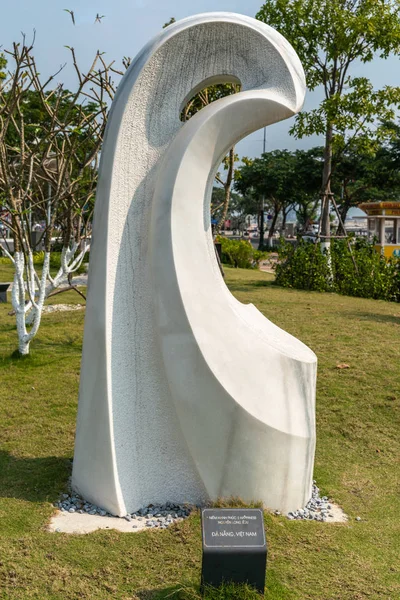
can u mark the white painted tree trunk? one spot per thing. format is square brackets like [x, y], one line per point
[69, 264]
[26, 281]
[30, 292]
[326, 249]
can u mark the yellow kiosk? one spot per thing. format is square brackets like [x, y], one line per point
[384, 225]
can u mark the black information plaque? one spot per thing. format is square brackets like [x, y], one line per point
[234, 547]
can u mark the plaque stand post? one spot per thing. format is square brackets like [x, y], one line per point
[234, 547]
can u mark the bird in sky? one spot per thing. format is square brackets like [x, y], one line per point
[99, 18]
[71, 12]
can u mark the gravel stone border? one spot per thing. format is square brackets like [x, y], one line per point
[317, 508]
[161, 516]
[153, 516]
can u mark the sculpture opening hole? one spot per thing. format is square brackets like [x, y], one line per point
[209, 90]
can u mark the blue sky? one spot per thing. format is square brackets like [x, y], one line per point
[126, 27]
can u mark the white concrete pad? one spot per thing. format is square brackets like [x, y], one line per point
[339, 516]
[76, 523]
[64, 522]
[62, 307]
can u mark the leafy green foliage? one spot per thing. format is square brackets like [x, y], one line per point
[55, 261]
[207, 96]
[37, 119]
[240, 253]
[341, 29]
[292, 179]
[356, 110]
[281, 176]
[75, 121]
[377, 277]
[362, 177]
[329, 36]
[304, 266]
[218, 200]
[170, 22]
[3, 64]
[283, 179]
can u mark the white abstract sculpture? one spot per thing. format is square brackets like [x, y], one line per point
[187, 394]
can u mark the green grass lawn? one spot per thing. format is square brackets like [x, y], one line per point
[7, 275]
[6, 272]
[357, 465]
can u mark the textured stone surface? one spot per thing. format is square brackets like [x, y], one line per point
[75, 515]
[187, 394]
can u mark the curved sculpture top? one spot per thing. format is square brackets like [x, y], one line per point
[187, 394]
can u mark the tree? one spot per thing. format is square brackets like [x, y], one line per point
[361, 177]
[50, 141]
[394, 145]
[218, 203]
[285, 179]
[170, 22]
[329, 36]
[307, 166]
[239, 208]
[3, 64]
[249, 181]
[388, 157]
[306, 212]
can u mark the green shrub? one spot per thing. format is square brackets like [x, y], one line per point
[240, 253]
[375, 276]
[38, 258]
[363, 272]
[258, 256]
[55, 261]
[302, 266]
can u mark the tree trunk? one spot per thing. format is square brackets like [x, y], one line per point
[227, 188]
[262, 228]
[20, 287]
[23, 345]
[16, 225]
[325, 227]
[272, 228]
[284, 218]
[343, 210]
